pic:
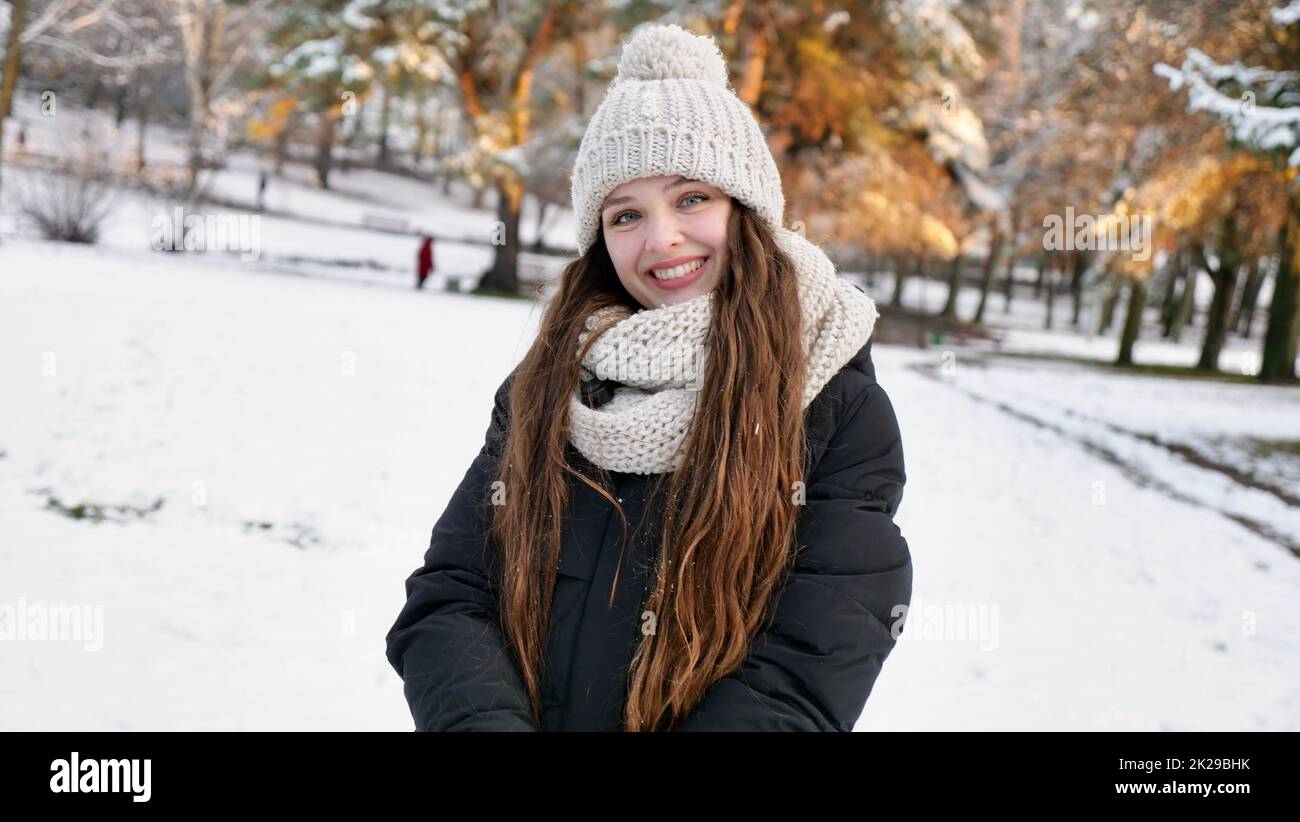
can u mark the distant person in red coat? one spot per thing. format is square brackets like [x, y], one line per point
[424, 264]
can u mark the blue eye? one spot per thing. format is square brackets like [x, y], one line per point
[618, 220]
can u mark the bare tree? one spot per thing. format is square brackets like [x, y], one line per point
[215, 38]
[107, 34]
[13, 58]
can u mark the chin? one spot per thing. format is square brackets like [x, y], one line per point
[681, 296]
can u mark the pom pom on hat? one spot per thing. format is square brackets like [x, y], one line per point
[670, 52]
[671, 110]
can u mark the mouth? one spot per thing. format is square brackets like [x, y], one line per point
[680, 275]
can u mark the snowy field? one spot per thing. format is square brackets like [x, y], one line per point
[304, 432]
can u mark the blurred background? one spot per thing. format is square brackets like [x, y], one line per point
[263, 265]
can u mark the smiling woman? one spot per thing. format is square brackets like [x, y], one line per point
[758, 588]
[667, 237]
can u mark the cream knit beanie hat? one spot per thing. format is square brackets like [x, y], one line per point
[671, 111]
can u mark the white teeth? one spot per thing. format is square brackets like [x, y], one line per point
[679, 271]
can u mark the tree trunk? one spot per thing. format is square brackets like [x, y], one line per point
[199, 42]
[754, 49]
[504, 273]
[119, 105]
[954, 286]
[439, 137]
[325, 150]
[1038, 280]
[12, 65]
[990, 266]
[1052, 275]
[900, 279]
[384, 116]
[282, 143]
[1076, 285]
[1186, 303]
[198, 126]
[1169, 304]
[1284, 312]
[140, 97]
[1009, 284]
[1107, 318]
[1216, 326]
[142, 126]
[422, 136]
[1249, 298]
[1137, 301]
[95, 91]
[580, 77]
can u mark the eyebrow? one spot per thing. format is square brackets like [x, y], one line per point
[681, 179]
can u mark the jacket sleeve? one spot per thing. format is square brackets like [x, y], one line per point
[447, 646]
[812, 667]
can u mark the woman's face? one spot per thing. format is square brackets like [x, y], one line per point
[667, 237]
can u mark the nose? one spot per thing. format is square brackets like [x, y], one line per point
[663, 233]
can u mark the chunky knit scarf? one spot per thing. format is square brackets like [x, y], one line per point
[657, 356]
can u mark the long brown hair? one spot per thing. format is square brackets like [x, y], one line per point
[729, 514]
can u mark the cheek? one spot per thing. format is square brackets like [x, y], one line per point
[622, 254]
[712, 230]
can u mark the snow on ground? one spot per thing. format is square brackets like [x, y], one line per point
[1076, 596]
[1136, 421]
[304, 433]
[341, 416]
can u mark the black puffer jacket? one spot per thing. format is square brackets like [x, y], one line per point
[811, 669]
